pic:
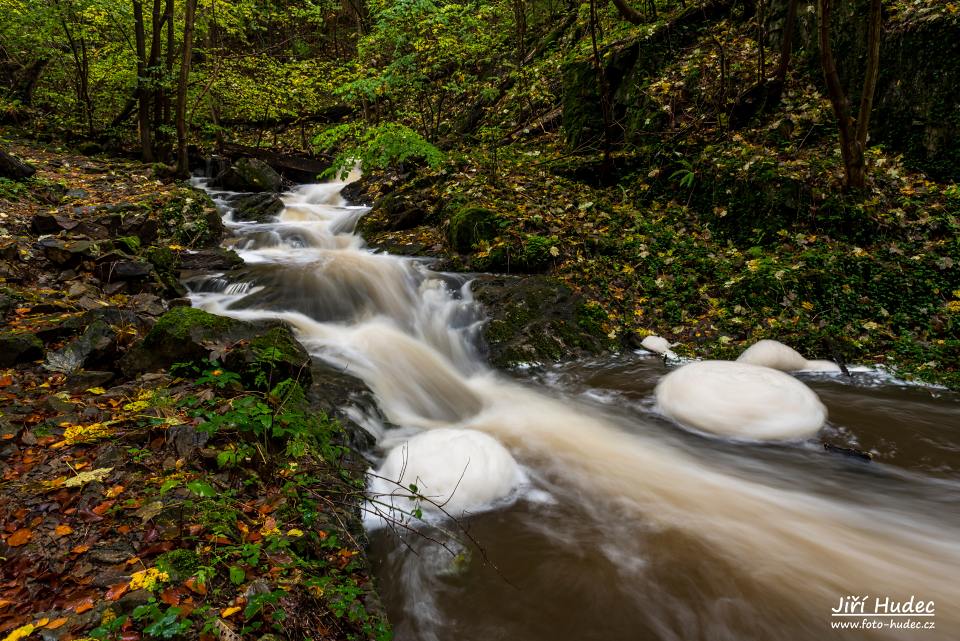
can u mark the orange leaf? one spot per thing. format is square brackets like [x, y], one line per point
[83, 605]
[118, 590]
[56, 623]
[124, 529]
[115, 491]
[20, 537]
[227, 612]
[6, 380]
[103, 507]
[194, 585]
[80, 549]
[63, 530]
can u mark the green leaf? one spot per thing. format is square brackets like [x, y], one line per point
[201, 488]
[237, 575]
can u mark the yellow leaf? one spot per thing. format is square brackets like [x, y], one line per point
[88, 476]
[295, 532]
[228, 612]
[97, 391]
[20, 633]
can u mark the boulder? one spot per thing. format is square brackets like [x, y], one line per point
[271, 357]
[260, 208]
[249, 174]
[67, 252]
[535, 319]
[19, 347]
[469, 225]
[214, 259]
[97, 343]
[118, 270]
[13, 168]
[264, 354]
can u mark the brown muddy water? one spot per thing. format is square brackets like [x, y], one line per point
[616, 523]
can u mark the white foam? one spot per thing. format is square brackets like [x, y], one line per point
[769, 353]
[740, 400]
[457, 470]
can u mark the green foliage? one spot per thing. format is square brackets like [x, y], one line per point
[377, 147]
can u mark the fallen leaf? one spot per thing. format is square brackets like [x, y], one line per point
[194, 585]
[118, 590]
[101, 509]
[56, 623]
[80, 549]
[20, 537]
[82, 605]
[5, 380]
[115, 491]
[88, 476]
[228, 612]
[63, 530]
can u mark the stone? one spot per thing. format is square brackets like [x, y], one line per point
[19, 347]
[470, 225]
[96, 344]
[214, 259]
[66, 252]
[249, 175]
[260, 208]
[13, 168]
[534, 319]
[274, 353]
[124, 270]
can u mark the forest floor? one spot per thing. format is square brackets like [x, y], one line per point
[139, 496]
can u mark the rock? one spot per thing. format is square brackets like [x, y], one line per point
[186, 440]
[275, 354]
[95, 345]
[149, 304]
[535, 319]
[49, 224]
[214, 259]
[13, 168]
[469, 225]
[184, 334]
[260, 208]
[249, 174]
[86, 379]
[124, 270]
[19, 347]
[66, 252]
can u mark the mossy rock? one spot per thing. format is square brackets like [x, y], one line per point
[19, 347]
[249, 174]
[271, 357]
[470, 225]
[534, 319]
[184, 334]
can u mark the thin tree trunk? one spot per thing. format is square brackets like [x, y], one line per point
[853, 140]
[183, 162]
[143, 95]
[156, 85]
[872, 72]
[171, 54]
[604, 88]
[786, 43]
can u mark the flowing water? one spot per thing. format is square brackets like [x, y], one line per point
[627, 526]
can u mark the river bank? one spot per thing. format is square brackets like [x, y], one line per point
[167, 473]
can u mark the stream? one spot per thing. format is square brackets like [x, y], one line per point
[626, 526]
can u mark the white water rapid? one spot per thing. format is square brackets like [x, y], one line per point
[771, 537]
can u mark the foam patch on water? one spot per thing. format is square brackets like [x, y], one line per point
[740, 400]
[455, 471]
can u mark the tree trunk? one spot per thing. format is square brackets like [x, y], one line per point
[786, 44]
[627, 12]
[156, 84]
[853, 140]
[143, 95]
[183, 161]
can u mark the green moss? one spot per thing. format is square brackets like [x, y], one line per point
[181, 322]
[470, 225]
[163, 258]
[180, 564]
